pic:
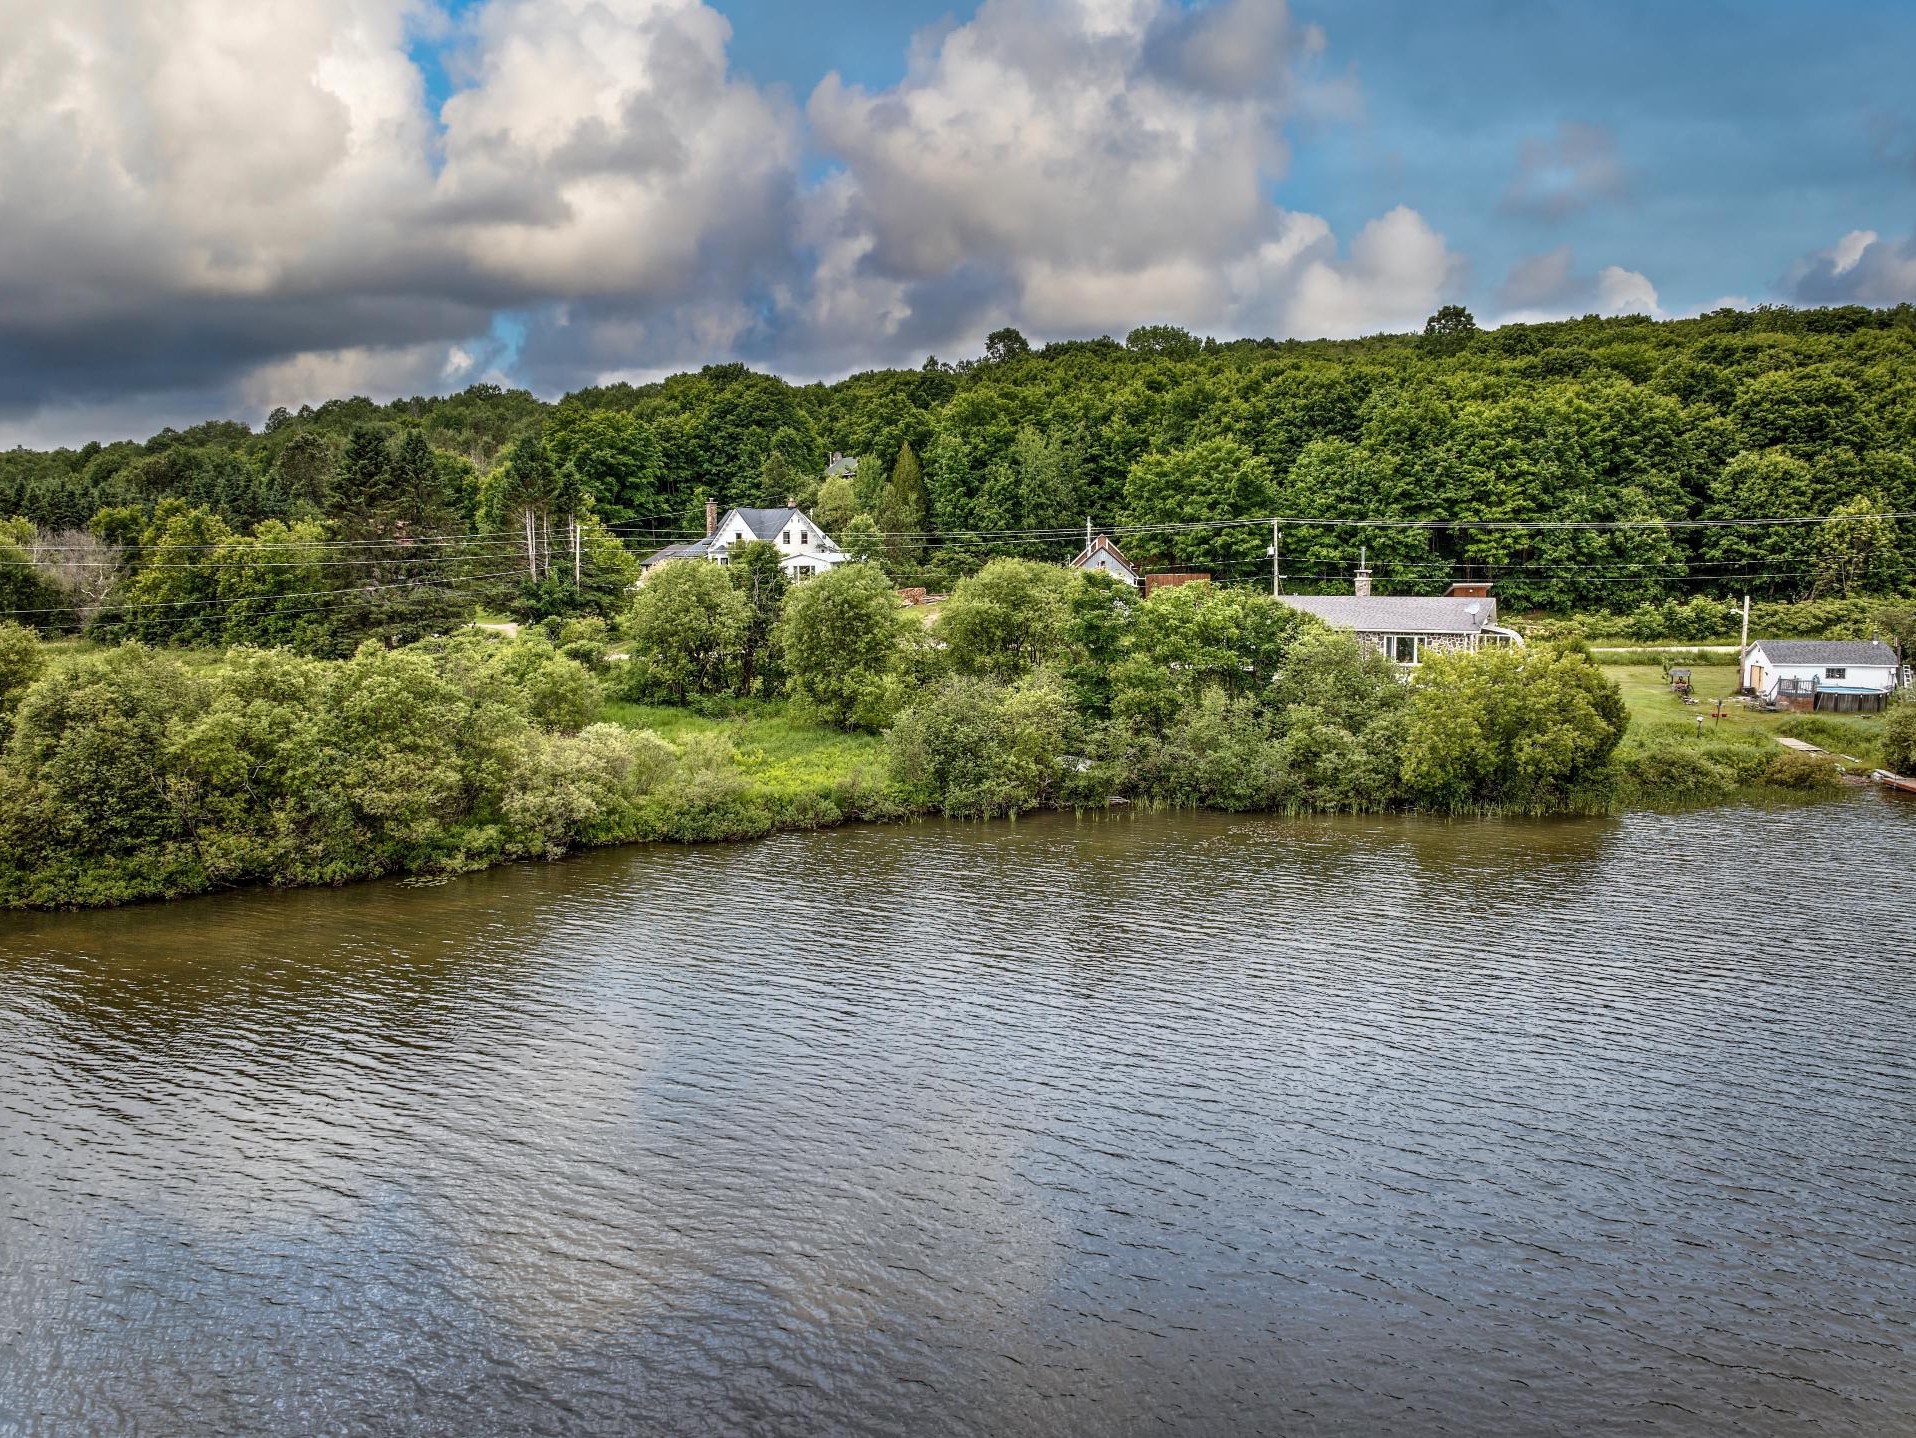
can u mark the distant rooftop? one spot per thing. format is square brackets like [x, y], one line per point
[1398, 614]
[1827, 651]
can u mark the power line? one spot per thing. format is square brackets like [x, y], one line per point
[241, 541]
[249, 598]
[491, 550]
[279, 611]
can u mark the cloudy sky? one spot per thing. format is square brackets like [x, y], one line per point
[216, 206]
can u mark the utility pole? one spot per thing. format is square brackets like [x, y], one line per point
[1746, 623]
[1277, 559]
[575, 553]
[1087, 533]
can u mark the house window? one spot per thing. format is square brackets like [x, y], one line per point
[803, 571]
[1403, 648]
[786, 537]
[803, 537]
[1836, 673]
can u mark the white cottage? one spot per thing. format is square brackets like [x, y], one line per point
[804, 549]
[1833, 675]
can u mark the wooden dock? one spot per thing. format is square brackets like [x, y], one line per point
[1798, 745]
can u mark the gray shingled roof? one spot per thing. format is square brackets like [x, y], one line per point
[764, 523]
[1397, 614]
[1827, 651]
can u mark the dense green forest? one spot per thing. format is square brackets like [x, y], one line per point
[355, 519]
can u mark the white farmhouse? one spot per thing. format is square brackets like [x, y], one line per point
[1842, 676]
[804, 549]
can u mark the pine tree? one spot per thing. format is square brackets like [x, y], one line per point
[905, 507]
[363, 481]
[424, 573]
[424, 504]
[305, 471]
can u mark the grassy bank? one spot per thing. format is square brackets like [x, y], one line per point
[755, 767]
[1666, 758]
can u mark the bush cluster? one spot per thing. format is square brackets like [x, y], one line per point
[1063, 688]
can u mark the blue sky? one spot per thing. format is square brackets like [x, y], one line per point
[1751, 133]
[403, 196]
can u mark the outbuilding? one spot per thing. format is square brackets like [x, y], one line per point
[1841, 676]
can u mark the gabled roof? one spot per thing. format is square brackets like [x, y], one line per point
[766, 524]
[1398, 614]
[1103, 543]
[842, 464]
[1827, 651]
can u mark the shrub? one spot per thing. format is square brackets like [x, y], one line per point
[688, 623]
[553, 691]
[572, 789]
[839, 635]
[1525, 730]
[1899, 738]
[585, 640]
[1220, 753]
[22, 661]
[1196, 637]
[1791, 770]
[1009, 618]
[1679, 769]
[972, 748]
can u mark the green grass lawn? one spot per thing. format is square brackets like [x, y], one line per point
[771, 747]
[1655, 710]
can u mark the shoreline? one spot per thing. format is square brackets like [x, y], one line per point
[1763, 796]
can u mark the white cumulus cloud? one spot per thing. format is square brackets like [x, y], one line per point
[1862, 268]
[1085, 165]
[1549, 286]
[223, 205]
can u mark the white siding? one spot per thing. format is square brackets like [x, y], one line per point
[1104, 563]
[1877, 678]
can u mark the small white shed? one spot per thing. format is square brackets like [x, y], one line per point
[1841, 675]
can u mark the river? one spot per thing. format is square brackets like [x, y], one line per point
[1166, 1125]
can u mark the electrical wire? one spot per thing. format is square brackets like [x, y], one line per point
[249, 598]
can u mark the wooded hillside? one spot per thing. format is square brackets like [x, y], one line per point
[1770, 414]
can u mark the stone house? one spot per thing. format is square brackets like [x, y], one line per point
[1405, 628]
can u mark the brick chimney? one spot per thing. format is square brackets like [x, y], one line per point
[1362, 587]
[711, 518]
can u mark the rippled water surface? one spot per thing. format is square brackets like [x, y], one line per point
[1156, 1125]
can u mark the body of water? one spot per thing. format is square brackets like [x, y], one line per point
[1160, 1125]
